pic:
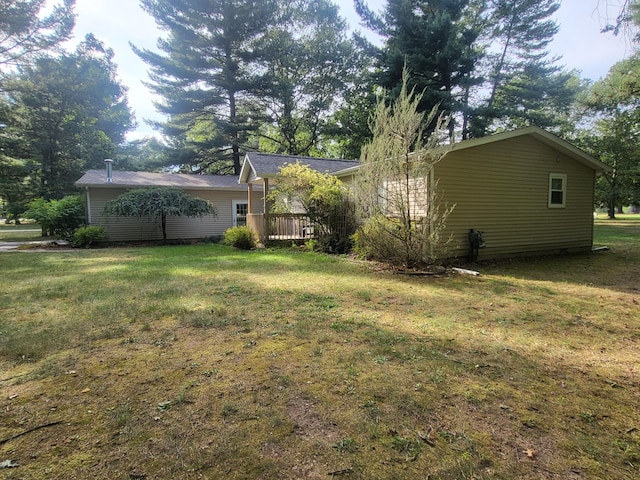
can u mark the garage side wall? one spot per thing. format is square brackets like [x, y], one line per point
[135, 229]
[502, 189]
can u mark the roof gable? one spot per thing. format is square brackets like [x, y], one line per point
[267, 165]
[120, 179]
[543, 136]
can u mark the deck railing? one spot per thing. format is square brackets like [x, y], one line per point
[289, 226]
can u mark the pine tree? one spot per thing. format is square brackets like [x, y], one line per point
[615, 102]
[25, 33]
[521, 78]
[238, 74]
[308, 65]
[210, 64]
[435, 40]
[70, 113]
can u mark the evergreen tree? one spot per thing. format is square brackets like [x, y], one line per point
[521, 79]
[615, 142]
[239, 74]
[435, 40]
[69, 113]
[25, 33]
[349, 126]
[18, 183]
[531, 97]
[308, 64]
[615, 102]
[210, 64]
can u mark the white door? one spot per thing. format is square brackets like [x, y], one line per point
[240, 210]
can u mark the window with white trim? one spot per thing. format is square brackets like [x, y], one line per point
[557, 190]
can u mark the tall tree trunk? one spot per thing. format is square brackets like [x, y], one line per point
[497, 73]
[235, 148]
[612, 207]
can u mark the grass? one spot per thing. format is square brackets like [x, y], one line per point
[20, 233]
[207, 362]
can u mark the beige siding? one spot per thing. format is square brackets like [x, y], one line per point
[348, 179]
[128, 229]
[502, 189]
[396, 198]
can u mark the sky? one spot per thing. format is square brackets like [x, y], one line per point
[120, 22]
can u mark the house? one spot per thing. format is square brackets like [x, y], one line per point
[229, 198]
[527, 191]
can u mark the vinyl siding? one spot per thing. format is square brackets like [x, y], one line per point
[131, 229]
[502, 189]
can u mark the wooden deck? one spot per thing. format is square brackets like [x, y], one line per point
[289, 226]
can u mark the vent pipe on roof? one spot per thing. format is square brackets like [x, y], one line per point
[109, 163]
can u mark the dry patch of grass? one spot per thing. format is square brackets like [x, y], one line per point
[205, 362]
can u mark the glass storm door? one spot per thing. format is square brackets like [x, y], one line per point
[240, 210]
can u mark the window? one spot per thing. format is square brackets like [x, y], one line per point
[557, 190]
[240, 210]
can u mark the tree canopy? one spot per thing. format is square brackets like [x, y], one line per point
[285, 77]
[205, 71]
[435, 42]
[614, 102]
[64, 115]
[25, 33]
[231, 73]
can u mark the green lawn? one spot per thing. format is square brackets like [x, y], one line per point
[206, 362]
[20, 233]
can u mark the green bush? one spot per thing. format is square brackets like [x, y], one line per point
[335, 243]
[89, 236]
[240, 237]
[374, 241]
[57, 217]
[311, 245]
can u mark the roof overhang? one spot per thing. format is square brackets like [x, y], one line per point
[347, 171]
[247, 170]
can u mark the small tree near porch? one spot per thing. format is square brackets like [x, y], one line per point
[395, 188]
[158, 202]
[323, 197]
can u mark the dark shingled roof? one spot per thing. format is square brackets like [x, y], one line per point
[266, 164]
[98, 178]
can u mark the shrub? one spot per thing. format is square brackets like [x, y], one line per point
[69, 216]
[311, 245]
[88, 236]
[240, 237]
[372, 241]
[57, 217]
[324, 198]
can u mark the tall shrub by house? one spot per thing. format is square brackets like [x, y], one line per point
[403, 217]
